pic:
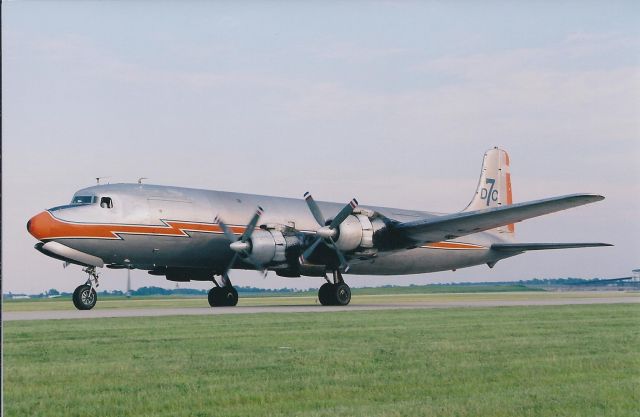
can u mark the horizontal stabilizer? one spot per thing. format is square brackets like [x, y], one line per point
[435, 229]
[523, 247]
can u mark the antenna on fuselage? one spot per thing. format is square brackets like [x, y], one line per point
[100, 178]
[142, 178]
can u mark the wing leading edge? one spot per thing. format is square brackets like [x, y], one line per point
[436, 229]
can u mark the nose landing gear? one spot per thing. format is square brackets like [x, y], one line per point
[223, 295]
[336, 293]
[85, 296]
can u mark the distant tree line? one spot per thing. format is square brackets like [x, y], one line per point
[534, 281]
[193, 291]
[146, 291]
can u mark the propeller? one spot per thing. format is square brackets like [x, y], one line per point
[327, 233]
[242, 245]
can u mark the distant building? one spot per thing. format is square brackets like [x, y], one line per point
[635, 276]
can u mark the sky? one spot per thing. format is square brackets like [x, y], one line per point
[391, 102]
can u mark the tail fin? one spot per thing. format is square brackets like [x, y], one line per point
[494, 186]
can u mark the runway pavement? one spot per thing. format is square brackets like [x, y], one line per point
[196, 311]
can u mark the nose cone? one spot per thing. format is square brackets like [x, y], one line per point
[40, 225]
[239, 246]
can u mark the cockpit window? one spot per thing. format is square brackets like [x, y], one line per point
[84, 199]
[106, 202]
[78, 200]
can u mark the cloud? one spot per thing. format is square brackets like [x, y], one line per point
[577, 52]
[351, 52]
[562, 91]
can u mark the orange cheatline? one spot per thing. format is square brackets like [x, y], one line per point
[45, 226]
[452, 245]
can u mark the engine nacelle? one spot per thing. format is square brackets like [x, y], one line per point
[270, 246]
[357, 230]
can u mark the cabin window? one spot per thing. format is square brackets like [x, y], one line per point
[106, 202]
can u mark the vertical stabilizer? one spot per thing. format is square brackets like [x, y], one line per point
[494, 186]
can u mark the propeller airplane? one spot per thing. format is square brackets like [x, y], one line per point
[179, 233]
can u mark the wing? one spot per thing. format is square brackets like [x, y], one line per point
[436, 229]
[523, 247]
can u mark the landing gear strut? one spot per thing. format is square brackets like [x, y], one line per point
[223, 295]
[84, 296]
[336, 293]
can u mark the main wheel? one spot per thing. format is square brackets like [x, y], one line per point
[84, 297]
[214, 297]
[325, 294]
[230, 296]
[342, 294]
[223, 297]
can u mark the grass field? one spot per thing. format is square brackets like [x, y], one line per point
[510, 361]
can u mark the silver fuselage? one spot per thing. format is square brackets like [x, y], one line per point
[143, 205]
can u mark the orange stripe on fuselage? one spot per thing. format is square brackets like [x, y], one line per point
[452, 245]
[45, 226]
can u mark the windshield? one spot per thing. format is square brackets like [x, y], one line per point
[84, 199]
[77, 200]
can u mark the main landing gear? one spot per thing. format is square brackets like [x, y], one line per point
[85, 297]
[336, 293]
[223, 295]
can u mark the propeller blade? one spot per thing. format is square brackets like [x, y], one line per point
[225, 229]
[327, 233]
[310, 250]
[242, 246]
[344, 265]
[315, 210]
[233, 261]
[260, 268]
[252, 225]
[343, 214]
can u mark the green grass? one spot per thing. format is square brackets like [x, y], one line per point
[510, 361]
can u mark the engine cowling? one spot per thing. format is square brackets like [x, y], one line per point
[357, 231]
[270, 246]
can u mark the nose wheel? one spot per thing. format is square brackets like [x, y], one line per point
[223, 295]
[85, 295]
[336, 293]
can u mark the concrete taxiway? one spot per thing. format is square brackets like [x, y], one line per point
[197, 311]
